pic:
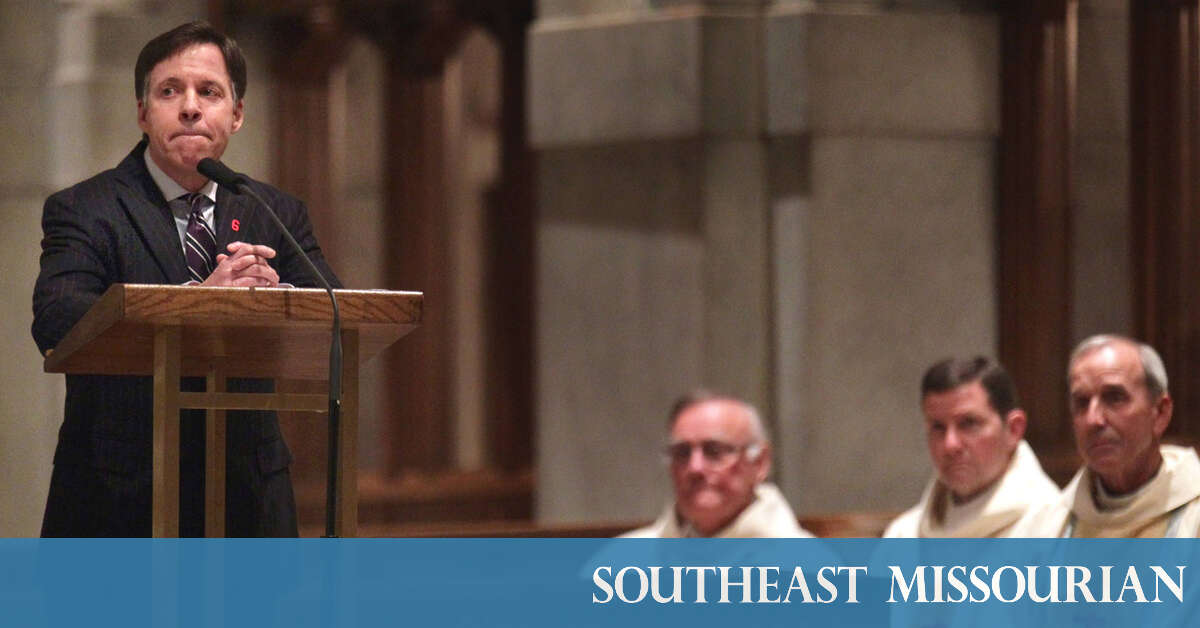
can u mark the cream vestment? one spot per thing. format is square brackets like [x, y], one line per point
[768, 516]
[1166, 506]
[1021, 491]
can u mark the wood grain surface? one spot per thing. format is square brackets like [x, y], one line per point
[242, 332]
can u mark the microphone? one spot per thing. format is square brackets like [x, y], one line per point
[223, 175]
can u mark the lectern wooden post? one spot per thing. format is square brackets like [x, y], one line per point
[216, 333]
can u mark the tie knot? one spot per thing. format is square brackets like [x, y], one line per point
[195, 202]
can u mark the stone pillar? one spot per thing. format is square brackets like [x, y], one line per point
[652, 239]
[67, 112]
[30, 402]
[791, 202]
[883, 122]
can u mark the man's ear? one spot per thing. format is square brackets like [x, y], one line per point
[764, 464]
[1163, 409]
[1015, 423]
[238, 116]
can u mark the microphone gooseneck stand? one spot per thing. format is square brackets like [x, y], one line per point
[335, 370]
[223, 175]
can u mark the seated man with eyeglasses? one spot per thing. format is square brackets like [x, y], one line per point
[719, 460]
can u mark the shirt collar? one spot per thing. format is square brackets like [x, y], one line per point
[169, 187]
[1108, 501]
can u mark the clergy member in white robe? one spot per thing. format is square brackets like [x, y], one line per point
[1130, 486]
[1166, 506]
[986, 476]
[993, 513]
[719, 459]
[768, 516]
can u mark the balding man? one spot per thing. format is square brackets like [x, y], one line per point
[986, 478]
[719, 459]
[1130, 485]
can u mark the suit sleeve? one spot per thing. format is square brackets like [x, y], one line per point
[292, 268]
[73, 272]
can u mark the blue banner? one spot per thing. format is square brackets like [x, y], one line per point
[597, 582]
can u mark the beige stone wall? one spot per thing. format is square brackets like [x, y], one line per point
[789, 201]
[652, 241]
[356, 176]
[896, 245]
[29, 401]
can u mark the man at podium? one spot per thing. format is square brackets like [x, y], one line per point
[155, 220]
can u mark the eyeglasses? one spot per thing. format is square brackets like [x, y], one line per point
[716, 454]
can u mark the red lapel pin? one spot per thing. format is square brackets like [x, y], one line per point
[235, 224]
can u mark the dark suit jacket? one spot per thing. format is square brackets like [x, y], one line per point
[116, 228]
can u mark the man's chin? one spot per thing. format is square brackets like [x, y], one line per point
[193, 148]
[192, 157]
[186, 163]
[703, 504]
[1103, 456]
[1105, 466]
[181, 163]
[704, 518]
[960, 484]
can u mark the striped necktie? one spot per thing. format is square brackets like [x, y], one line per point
[200, 245]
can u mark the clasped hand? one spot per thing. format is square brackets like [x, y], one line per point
[245, 265]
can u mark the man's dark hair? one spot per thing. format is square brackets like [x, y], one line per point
[184, 36]
[951, 373]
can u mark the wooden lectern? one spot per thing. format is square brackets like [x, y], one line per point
[233, 332]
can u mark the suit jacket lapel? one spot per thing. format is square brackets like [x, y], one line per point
[230, 216]
[148, 212]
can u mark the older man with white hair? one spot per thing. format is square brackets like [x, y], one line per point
[1130, 485]
[719, 458]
